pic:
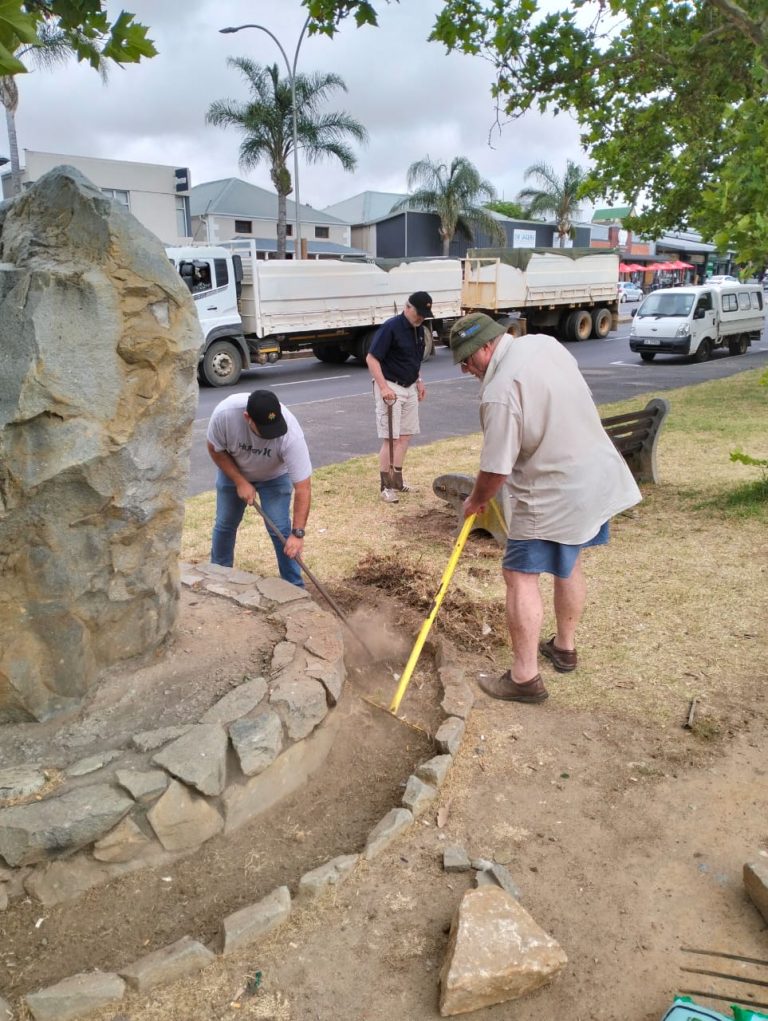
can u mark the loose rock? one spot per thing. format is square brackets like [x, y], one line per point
[144, 785]
[756, 885]
[184, 957]
[449, 735]
[434, 770]
[496, 952]
[93, 762]
[19, 782]
[332, 873]
[418, 795]
[123, 843]
[382, 835]
[243, 699]
[183, 820]
[302, 705]
[148, 740]
[455, 859]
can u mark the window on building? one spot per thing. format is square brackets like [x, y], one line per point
[243, 226]
[183, 224]
[289, 230]
[322, 232]
[121, 197]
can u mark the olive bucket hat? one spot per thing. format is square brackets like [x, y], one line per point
[470, 333]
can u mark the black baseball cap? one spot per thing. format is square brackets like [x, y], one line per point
[263, 409]
[422, 302]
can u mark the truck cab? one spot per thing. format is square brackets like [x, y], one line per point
[693, 321]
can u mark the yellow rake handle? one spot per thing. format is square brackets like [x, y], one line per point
[425, 627]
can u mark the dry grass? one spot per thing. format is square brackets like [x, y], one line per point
[678, 602]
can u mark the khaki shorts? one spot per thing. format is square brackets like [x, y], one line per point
[405, 412]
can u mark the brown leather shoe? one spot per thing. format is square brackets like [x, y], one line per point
[563, 660]
[510, 691]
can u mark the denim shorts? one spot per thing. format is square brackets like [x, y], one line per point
[540, 556]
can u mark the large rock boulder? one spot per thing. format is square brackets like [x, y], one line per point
[99, 343]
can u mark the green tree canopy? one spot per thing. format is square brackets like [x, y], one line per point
[555, 196]
[514, 210]
[671, 97]
[456, 193]
[266, 121]
[92, 36]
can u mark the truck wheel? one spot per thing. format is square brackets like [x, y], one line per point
[364, 345]
[739, 345]
[332, 354]
[703, 351]
[222, 364]
[578, 325]
[429, 345]
[647, 356]
[601, 322]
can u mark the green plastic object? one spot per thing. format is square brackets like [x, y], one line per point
[747, 1014]
[684, 1009]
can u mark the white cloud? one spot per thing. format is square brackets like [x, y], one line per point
[413, 98]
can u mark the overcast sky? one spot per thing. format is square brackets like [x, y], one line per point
[413, 98]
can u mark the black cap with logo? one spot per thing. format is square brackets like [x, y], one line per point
[264, 411]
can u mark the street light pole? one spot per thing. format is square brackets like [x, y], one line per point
[292, 78]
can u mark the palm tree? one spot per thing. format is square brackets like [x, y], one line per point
[267, 120]
[456, 193]
[555, 196]
[53, 46]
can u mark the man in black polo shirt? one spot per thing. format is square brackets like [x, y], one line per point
[394, 361]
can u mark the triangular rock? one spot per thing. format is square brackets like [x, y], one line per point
[496, 952]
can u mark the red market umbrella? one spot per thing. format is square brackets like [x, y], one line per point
[656, 266]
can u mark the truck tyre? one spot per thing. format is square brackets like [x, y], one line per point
[739, 345]
[578, 325]
[332, 354]
[364, 342]
[429, 344]
[222, 364]
[601, 322]
[647, 356]
[703, 351]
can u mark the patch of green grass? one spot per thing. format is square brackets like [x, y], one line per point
[749, 500]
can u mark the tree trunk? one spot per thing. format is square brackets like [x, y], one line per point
[281, 220]
[447, 238]
[9, 96]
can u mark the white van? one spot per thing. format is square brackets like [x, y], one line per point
[695, 320]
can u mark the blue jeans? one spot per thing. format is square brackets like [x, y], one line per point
[275, 500]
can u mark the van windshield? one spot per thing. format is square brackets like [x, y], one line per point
[666, 305]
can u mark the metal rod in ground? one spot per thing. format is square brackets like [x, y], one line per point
[321, 589]
[688, 725]
[405, 680]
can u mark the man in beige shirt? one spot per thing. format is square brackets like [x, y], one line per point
[561, 480]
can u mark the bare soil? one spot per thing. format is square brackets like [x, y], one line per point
[627, 841]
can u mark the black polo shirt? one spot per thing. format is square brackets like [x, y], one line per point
[399, 348]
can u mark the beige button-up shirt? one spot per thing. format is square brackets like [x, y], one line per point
[542, 430]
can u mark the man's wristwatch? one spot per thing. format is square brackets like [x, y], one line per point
[298, 532]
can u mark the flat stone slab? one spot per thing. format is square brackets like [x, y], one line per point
[302, 704]
[199, 758]
[496, 953]
[93, 762]
[278, 591]
[74, 997]
[332, 873]
[434, 770]
[390, 827]
[182, 819]
[60, 825]
[456, 859]
[236, 703]
[458, 700]
[184, 957]
[144, 785]
[149, 740]
[246, 925]
[756, 885]
[330, 674]
[257, 741]
[19, 782]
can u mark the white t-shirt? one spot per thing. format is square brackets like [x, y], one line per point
[258, 459]
[542, 430]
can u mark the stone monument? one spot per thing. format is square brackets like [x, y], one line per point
[99, 343]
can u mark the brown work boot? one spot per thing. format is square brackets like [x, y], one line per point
[563, 660]
[508, 690]
[399, 484]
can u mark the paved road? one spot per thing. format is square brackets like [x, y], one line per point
[334, 403]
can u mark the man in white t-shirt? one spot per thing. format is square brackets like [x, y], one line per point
[259, 449]
[561, 480]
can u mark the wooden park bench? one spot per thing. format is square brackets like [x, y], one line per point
[634, 434]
